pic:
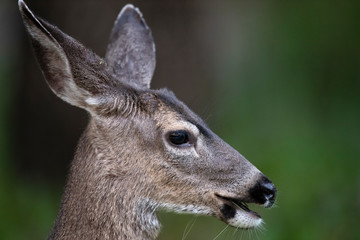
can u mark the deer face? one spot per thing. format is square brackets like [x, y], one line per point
[200, 173]
[183, 165]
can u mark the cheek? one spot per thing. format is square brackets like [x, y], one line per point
[179, 163]
[147, 132]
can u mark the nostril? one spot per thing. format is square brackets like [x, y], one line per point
[264, 192]
[269, 193]
[269, 197]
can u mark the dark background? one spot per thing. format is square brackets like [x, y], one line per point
[278, 80]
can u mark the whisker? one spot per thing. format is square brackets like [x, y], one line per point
[261, 228]
[188, 228]
[242, 234]
[249, 234]
[221, 232]
[255, 234]
[235, 231]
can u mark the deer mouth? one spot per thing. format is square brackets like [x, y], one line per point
[236, 213]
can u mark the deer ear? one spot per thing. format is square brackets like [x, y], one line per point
[130, 54]
[73, 72]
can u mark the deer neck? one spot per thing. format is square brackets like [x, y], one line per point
[97, 204]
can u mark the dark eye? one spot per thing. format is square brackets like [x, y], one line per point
[179, 138]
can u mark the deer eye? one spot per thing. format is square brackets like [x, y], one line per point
[179, 138]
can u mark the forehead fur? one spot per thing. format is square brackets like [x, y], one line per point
[161, 104]
[179, 111]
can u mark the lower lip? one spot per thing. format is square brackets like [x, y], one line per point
[245, 220]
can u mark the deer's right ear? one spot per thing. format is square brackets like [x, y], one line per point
[73, 72]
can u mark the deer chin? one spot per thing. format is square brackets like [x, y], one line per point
[236, 213]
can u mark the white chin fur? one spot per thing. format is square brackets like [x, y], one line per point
[244, 219]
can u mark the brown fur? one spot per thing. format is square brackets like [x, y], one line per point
[125, 167]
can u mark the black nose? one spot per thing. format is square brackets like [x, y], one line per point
[264, 192]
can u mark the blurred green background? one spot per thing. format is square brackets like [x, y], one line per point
[278, 80]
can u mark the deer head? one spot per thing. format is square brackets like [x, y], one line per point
[144, 149]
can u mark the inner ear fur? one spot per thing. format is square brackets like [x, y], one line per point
[73, 72]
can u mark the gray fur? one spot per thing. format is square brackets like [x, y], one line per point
[125, 168]
[131, 51]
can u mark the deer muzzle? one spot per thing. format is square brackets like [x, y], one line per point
[235, 211]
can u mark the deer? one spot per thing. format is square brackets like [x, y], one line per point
[143, 149]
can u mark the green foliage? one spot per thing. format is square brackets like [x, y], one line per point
[292, 107]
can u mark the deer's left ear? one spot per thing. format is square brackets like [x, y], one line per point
[130, 55]
[73, 72]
